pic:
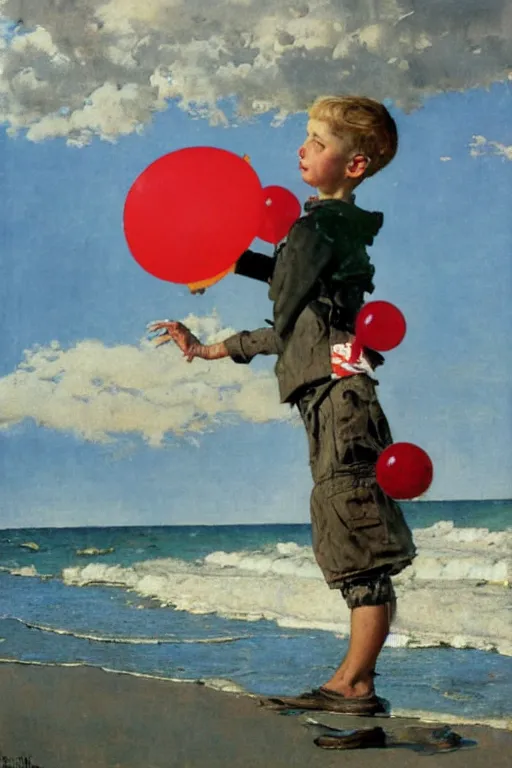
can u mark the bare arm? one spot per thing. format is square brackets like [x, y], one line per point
[186, 341]
[241, 347]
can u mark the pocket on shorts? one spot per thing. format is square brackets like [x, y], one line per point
[349, 532]
[359, 509]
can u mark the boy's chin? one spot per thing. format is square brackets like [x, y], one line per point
[307, 179]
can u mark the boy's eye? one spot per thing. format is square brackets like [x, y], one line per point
[314, 140]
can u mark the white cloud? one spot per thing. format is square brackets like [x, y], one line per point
[482, 146]
[111, 63]
[100, 392]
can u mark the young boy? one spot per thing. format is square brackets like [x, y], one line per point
[318, 281]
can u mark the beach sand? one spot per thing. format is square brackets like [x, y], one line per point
[64, 717]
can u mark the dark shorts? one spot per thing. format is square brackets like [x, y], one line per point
[357, 530]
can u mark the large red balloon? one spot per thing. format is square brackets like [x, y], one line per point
[380, 325]
[404, 471]
[191, 213]
[280, 210]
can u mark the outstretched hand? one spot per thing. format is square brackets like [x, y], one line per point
[180, 334]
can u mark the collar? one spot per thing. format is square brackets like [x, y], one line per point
[368, 222]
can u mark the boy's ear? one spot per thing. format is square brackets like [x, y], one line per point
[356, 167]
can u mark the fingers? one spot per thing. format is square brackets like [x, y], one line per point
[158, 322]
[189, 353]
[163, 331]
[165, 339]
[170, 333]
[161, 325]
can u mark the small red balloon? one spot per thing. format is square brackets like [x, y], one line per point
[280, 210]
[380, 325]
[191, 213]
[404, 471]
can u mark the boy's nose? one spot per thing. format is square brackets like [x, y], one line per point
[301, 152]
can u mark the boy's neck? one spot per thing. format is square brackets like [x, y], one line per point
[347, 198]
[343, 194]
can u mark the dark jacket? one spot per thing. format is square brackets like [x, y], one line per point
[318, 280]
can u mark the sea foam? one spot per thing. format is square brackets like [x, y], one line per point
[456, 593]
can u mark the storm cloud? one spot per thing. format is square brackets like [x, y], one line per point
[84, 68]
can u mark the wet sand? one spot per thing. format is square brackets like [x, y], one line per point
[64, 717]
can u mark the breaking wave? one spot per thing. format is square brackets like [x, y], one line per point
[456, 593]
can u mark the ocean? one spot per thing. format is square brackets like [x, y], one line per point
[244, 607]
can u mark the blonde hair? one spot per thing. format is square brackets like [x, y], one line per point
[364, 123]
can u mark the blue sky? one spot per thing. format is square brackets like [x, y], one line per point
[71, 454]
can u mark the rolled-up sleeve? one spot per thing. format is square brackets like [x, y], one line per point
[243, 346]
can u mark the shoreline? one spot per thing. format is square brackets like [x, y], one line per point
[79, 715]
[227, 686]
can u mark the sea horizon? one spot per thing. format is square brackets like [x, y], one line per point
[408, 506]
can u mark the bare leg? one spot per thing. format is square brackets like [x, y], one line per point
[369, 627]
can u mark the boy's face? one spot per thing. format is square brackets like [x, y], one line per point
[325, 161]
